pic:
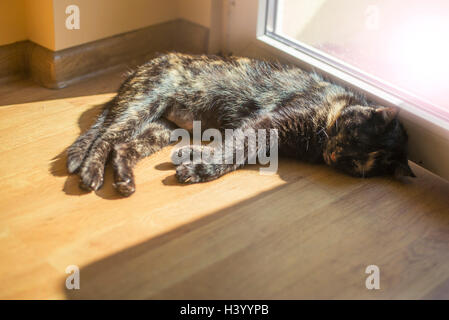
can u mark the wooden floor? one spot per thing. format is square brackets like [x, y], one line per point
[306, 232]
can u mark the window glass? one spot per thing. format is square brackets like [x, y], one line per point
[404, 43]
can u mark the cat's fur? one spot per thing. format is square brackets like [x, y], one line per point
[317, 121]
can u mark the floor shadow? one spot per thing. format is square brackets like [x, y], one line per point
[118, 267]
[136, 272]
[170, 180]
[144, 271]
[27, 91]
[165, 166]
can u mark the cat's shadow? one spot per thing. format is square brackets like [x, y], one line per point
[169, 180]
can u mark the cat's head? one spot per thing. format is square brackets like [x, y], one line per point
[368, 141]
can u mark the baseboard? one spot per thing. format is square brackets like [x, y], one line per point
[58, 69]
[13, 64]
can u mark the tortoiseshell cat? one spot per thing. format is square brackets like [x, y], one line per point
[317, 121]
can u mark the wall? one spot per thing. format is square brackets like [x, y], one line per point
[104, 18]
[43, 21]
[40, 22]
[198, 11]
[12, 21]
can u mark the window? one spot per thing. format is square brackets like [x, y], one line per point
[400, 46]
[393, 51]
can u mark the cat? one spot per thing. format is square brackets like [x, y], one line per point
[316, 120]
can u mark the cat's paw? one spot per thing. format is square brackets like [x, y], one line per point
[74, 160]
[190, 172]
[92, 177]
[125, 188]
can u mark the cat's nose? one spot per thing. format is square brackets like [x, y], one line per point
[333, 157]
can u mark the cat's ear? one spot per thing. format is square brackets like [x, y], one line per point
[387, 113]
[403, 170]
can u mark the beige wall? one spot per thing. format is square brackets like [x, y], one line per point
[198, 11]
[104, 18]
[40, 22]
[43, 21]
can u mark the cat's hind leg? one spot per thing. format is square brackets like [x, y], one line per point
[126, 155]
[142, 99]
[91, 171]
[77, 152]
[127, 117]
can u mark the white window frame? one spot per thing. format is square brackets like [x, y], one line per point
[245, 35]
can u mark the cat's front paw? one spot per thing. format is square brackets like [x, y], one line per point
[92, 177]
[190, 172]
